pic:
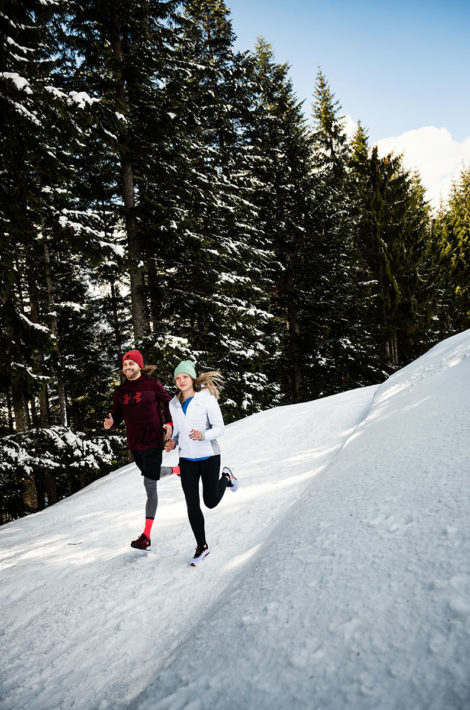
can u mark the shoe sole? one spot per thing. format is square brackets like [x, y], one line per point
[195, 564]
[233, 485]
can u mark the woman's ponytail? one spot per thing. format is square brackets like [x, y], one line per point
[212, 380]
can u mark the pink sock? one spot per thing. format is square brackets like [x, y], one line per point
[148, 527]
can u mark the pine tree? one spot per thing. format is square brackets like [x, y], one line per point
[283, 185]
[393, 239]
[32, 115]
[418, 276]
[359, 186]
[122, 49]
[334, 339]
[208, 269]
[452, 237]
[47, 232]
[30, 122]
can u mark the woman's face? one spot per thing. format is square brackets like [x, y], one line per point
[184, 383]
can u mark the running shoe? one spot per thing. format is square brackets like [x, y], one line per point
[201, 552]
[142, 542]
[231, 480]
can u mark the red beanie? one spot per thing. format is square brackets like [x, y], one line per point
[135, 356]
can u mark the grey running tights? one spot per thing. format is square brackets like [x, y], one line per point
[152, 497]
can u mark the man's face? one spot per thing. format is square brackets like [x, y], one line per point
[131, 369]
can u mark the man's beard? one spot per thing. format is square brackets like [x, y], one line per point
[133, 375]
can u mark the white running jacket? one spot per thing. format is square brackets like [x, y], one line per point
[203, 413]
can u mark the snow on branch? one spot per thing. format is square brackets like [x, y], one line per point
[81, 98]
[35, 326]
[20, 83]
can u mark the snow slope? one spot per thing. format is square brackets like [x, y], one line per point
[339, 575]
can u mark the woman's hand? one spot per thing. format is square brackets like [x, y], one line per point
[168, 429]
[170, 445]
[195, 435]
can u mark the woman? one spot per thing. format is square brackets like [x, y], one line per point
[197, 422]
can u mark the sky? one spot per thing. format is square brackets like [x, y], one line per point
[338, 575]
[401, 68]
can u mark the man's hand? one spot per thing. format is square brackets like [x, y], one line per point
[170, 445]
[168, 428]
[108, 421]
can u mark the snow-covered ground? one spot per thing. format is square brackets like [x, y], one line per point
[339, 573]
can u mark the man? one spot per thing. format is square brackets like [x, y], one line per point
[137, 401]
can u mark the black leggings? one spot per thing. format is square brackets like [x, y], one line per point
[213, 488]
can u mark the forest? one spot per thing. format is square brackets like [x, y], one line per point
[162, 190]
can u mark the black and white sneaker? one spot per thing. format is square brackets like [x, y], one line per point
[231, 480]
[201, 552]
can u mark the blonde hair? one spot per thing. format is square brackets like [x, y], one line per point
[213, 381]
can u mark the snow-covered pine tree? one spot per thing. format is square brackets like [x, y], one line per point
[237, 248]
[212, 303]
[70, 459]
[46, 232]
[30, 127]
[122, 50]
[283, 184]
[333, 338]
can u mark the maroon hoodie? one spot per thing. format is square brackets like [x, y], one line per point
[138, 403]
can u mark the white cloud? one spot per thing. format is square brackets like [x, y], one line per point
[434, 153]
[350, 126]
[431, 151]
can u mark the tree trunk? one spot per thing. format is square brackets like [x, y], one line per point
[18, 398]
[46, 489]
[55, 333]
[116, 325]
[11, 424]
[293, 349]
[42, 396]
[43, 408]
[155, 305]
[19, 404]
[295, 370]
[28, 486]
[50, 485]
[138, 301]
[34, 413]
[384, 315]
[394, 347]
[30, 495]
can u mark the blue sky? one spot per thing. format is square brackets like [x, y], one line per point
[401, 68]
[395, 66]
